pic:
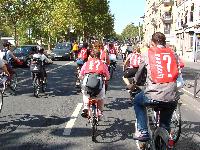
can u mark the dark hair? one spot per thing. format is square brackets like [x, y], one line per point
[6, 44]
[159, 38]
[97, 53]
[85, 45]
[41, 51]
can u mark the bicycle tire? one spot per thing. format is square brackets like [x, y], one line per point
[111, 72]
[44, 86]
[94, 123]
[1, 101]
[36, 86]
[14, 81]
[176, 123]
[161, 139]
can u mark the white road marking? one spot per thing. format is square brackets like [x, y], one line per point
[47, 72]
[70, 123]
[189, 92]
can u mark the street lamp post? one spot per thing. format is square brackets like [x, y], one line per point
[139, 33]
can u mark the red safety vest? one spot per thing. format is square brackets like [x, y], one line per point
[83, 54]
[94, 66]
[112, 51]
[163, 65]
[135, 60]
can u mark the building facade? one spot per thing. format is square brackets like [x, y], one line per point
[179, 20]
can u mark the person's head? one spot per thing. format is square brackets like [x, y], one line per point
[158, 38]
[41, 51]
[7, 45]
[97, 54]
[111, 45]
[85, 45]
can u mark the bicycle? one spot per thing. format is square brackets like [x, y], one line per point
[93, 116]
[160, 138]
[78, 81]
[3, 80]
[112, 68]
[38, 83]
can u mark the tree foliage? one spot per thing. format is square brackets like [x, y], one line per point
[50, 19]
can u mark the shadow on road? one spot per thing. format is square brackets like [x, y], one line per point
[119, 104]
[40, 146]
[108, 131]
[190, 136]
[28, 120]
[61, 82]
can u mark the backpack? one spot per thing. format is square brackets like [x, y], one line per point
[141, 75]
[94, 84]
[36, 66]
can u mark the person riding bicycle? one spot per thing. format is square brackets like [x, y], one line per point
[43, 58]
[104, 55]
[112, 54]
[83, 53]
[123, 51]
[131, 66]
[161, 91]
[94, 67]
[75, 50]
[9, 57]
[3, 73]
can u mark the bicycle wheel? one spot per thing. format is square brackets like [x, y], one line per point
[94, 123]
[176, 124]
[44, 85]
[111, 71]
[1, 101]
[36, 86]
[160, 144]
[13, 82]
[161, 139]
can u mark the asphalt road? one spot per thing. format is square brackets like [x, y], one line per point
[53, 121]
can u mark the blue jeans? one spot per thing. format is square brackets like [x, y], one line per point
[140, 103]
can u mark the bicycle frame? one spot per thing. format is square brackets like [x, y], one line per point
[93, 116]
[156, 132]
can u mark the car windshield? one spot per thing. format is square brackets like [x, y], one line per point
[22, 50]
[61, 46]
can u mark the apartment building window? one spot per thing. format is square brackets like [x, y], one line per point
[167, 27]
[186, 17]
[181, 22]
[191, 17]
[192, 7]
[191, 42]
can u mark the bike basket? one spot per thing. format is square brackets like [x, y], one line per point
[35, 68]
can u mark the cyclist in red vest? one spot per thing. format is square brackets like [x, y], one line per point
[83, 54]
[162, 68]
[104, 55]
[131, 66]
[94, 66]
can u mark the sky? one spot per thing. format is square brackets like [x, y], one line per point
[126, 12]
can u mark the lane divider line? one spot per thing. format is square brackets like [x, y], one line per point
[24, 80]
[189, 92]
[71, 122]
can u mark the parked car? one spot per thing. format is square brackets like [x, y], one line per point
[62, 51]
[25, 52]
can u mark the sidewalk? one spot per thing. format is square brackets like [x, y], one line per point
[189, 73]
[193, 65]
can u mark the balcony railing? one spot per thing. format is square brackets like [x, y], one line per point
[166, 31]
[154, 7]
[168, 2]
[154, 23]
[167, 17]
